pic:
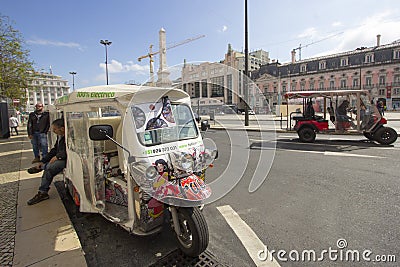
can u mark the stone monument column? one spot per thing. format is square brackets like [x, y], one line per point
[49, 97]
[34, 98]
[41, 96]
[163, 75]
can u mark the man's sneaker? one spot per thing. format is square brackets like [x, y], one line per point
[34, 169]
[38, 198]
[36, 160]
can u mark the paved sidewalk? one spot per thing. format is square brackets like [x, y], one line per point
[38, 235]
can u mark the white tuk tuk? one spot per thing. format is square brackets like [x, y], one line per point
[136, 156]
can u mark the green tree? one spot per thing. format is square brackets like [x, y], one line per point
[15, 66]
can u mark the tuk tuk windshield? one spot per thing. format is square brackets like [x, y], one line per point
[163, 122]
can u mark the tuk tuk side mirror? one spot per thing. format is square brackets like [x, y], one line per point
[100, 132]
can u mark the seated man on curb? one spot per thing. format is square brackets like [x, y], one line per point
[52, 164]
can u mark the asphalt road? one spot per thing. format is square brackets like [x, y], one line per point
[339, 188]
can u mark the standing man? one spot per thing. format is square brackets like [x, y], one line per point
[38, 126]
[52, 164]
[13, 121]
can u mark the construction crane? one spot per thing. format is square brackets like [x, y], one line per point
[304, 46]
[151, 54]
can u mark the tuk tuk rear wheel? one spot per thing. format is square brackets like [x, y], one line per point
[385, 135]
[194, 236]
[307, 135]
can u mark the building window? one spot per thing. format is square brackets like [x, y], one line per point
[342, 83]
[396, 54]
[368, 81]
[303, 68]
[322, 65]
[396, 81]
[355, 82]
[196, 89]
[284, 88]
[369, 58]
[230, 89]
[321, 85]
[396, 91]
[381, 92]
[204, 91]
[344, 62]
[332, 84]
[382, 80]
[311, 85]
[217, 86]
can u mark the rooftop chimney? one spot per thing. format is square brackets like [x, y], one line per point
[378, 40]
[293, 56]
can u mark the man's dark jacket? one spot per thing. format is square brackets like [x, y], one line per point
[43, 125]
[59, 150]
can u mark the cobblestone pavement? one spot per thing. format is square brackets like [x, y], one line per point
[10, 161]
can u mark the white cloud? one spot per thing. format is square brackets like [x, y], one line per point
[44, 42]
[365, 34]
[117, 67]
[337, 24]
[223, 29]
[308, 33]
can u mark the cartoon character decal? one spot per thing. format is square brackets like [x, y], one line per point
[150, 116]
[139, 116]
[155, 123]
[115, 193]
[173, 182]
[167, 111]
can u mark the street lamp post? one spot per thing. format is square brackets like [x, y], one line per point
[106, 43]
[246, 66]
[73, 79]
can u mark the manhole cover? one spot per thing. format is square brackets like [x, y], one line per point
[178, 259]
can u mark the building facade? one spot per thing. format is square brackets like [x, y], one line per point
[218, 86]
[45, 88]
[374, 68]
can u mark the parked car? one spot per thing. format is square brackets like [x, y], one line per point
[251, 112]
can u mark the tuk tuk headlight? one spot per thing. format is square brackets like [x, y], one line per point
[187, 162]
[151, 172]
[182, 161]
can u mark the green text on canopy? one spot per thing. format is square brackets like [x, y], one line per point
[96, 94]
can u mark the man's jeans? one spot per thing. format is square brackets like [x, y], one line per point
[50, 170]
[39, 141]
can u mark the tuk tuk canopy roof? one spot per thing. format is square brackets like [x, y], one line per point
[328, 93]
[113, 92]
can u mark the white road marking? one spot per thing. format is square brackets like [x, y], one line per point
[14, 152]
[247, 236]
[329, 153]
[14, 142]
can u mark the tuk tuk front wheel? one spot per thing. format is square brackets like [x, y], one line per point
[194, 236]
[307, 135]
[385, 135]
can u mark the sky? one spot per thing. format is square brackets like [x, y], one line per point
[65, 35]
